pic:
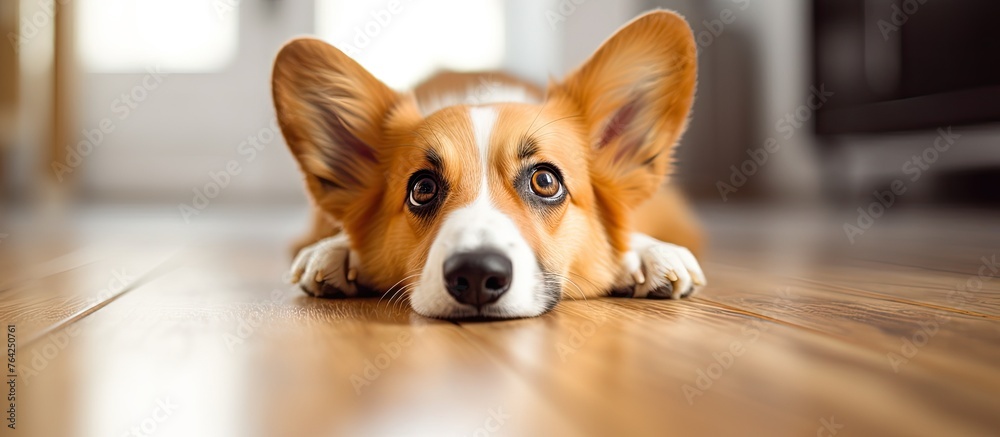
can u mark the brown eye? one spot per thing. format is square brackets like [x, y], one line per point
[424, 190]
[545, 184]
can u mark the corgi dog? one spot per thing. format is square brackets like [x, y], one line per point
[495, 201]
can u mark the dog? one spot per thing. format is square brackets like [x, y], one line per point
[479, 196]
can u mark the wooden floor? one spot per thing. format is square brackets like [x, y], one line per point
[799, 333]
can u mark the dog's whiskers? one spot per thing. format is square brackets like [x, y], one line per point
[592, 284]
[389, 304]
[401, 294]
[533, 120]
[553, 121]
[411, 275]
[567, 279]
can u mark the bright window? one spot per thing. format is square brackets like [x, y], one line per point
[404, 41]
[176, 35]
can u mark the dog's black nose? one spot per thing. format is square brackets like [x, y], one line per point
[479, 277]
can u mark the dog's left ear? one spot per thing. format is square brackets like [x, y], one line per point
[635, 93]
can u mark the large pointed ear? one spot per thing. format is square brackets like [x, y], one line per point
[331, 112]
[635, 93]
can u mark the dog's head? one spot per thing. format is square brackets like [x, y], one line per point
[491, 209]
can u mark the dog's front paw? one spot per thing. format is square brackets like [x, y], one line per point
[325, 268]
[662, 270]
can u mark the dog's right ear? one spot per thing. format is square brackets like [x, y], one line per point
[331, 112]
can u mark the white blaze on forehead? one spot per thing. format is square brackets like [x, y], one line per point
[483, 118]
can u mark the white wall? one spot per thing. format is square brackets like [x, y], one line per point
[192, 123]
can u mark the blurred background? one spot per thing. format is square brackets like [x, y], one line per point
[119, 107]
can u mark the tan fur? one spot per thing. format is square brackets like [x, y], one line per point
[667, 217]
[447, 82]
[611, 126]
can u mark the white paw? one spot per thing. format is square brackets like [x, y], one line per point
[326, 268]
[665, 270]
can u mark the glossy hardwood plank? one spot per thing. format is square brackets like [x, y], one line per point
[945, 286]
[953, 345]
[22, 264]
[241, 354]
[785, 380]
[43, 303]
[792, 336]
